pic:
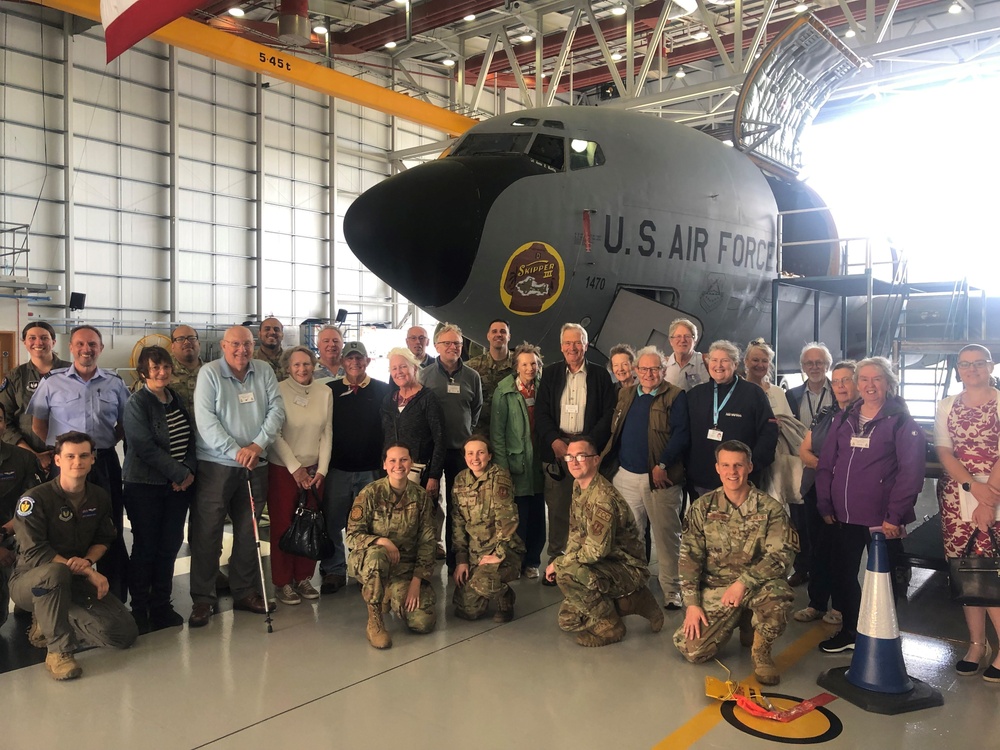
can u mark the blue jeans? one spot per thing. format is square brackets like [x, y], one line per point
[338, 497]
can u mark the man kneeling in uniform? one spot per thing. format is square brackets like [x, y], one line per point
[390, 531]
[63, 528]
[735, 549]
[603, 572]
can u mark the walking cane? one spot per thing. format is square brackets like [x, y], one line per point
[260, 560]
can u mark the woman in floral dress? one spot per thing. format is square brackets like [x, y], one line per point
[967, 438]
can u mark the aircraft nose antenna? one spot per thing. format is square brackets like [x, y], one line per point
[419, 231]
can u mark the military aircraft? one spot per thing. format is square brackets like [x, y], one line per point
[616, 220]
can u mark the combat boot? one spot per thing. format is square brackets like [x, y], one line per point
[604, 633]
[378, 636]
[746, 629]
[35, 635]
[641, 603]
[505, 607]
[763, 665]
[62, 666]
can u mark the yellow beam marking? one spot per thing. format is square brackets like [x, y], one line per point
[219, 45]
[702, 722]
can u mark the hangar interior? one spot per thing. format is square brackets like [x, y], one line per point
[171, 186]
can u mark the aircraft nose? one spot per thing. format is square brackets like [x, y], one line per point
[419, 231]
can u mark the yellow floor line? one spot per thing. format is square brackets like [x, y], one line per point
[699, 725]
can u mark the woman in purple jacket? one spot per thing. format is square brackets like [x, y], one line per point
[870, 471]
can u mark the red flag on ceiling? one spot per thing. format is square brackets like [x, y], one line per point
[127, 22]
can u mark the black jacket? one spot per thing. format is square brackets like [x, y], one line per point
[420, 426]
[601, 399]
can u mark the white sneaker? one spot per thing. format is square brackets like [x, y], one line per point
[672, 601]
[808, 614]
[288, 595]
[833, 617]
[531, 572]
[306, 590]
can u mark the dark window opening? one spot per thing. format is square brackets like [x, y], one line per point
[549, 151]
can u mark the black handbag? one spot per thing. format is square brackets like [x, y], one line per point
[306, 536]
[975, 581]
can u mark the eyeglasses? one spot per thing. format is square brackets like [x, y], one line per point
[979, 364]
[456, 344]
[179, 339]
[842, 381]
[648, 370]
[578, 458]
[814, 363]
[416, 338]
[239, 344]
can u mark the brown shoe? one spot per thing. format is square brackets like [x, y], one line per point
[604, 633]
[505, 607]
[746, 628]
[763, 665]
[201, 613]
[378, 636]
[35, 635]
[254, 603]
[641, 603]
[332, 583]
[62, 666]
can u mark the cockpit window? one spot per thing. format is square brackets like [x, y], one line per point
[479, 144]
[549, 151]
[525, 122]
[553, 124]
[584, 154]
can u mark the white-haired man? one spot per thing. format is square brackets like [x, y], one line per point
[686, 367]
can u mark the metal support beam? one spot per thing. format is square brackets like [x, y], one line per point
[539, 60]
[257, 58]
[758, 35]
[418, 89]
[706, 18]
[567, 43]
[516, 70]
[258, 204]
[173, 201]
[69, 173]
[655, 43]
[332, 218]
[484, 71]
[603, 43]
[886, 22]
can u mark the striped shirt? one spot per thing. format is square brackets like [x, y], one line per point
[180, 431]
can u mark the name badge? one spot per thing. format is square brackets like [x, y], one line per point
[715, 434]
[572, 409]
[300, 401]
[454, 388]
[247, 398]
[859, 442]
[529, 401]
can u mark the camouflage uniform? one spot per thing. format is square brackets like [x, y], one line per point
[491, 373]
[604, 559]
[16, 391]
[409, 524]
[484, 523]
[722, 544]
[274, 362]
[184, 381]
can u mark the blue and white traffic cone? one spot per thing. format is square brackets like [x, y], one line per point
[876, 680]
[878, 652]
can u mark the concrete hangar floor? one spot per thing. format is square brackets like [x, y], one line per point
[315, 682]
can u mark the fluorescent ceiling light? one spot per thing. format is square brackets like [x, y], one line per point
[470, 17]
[801, 8]
[525, 38]
[700, 34]
[849, 34]
[680, 73]
[955, 8]
[616, 56]
[319, 29]
[236, 12]
[618, 10]
[449, 62]
[390, 45]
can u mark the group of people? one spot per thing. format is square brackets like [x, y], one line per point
[783, 488]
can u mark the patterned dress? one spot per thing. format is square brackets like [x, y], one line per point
[975, 433]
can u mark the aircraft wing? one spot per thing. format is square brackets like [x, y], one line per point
[786, 87]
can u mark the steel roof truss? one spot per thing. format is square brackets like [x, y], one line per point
[655, 43]
[709, 21]
[605, 51]
[515, 69]
[563, 56]
[758, 35]
[484, 71]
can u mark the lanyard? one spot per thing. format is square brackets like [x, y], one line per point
[716, 406]
[822, 395]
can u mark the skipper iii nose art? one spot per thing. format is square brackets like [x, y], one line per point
[617, 220]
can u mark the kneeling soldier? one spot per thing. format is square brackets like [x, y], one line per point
[390, 532]
[63, 528]
[735, 549]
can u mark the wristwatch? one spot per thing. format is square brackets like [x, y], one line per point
[967, 486]
[662, 466]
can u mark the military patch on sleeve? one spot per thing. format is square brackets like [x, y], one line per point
[356, 513]
[503, 492]
[24, 506]
[603, 514]
[597, 528]
[792, 537]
